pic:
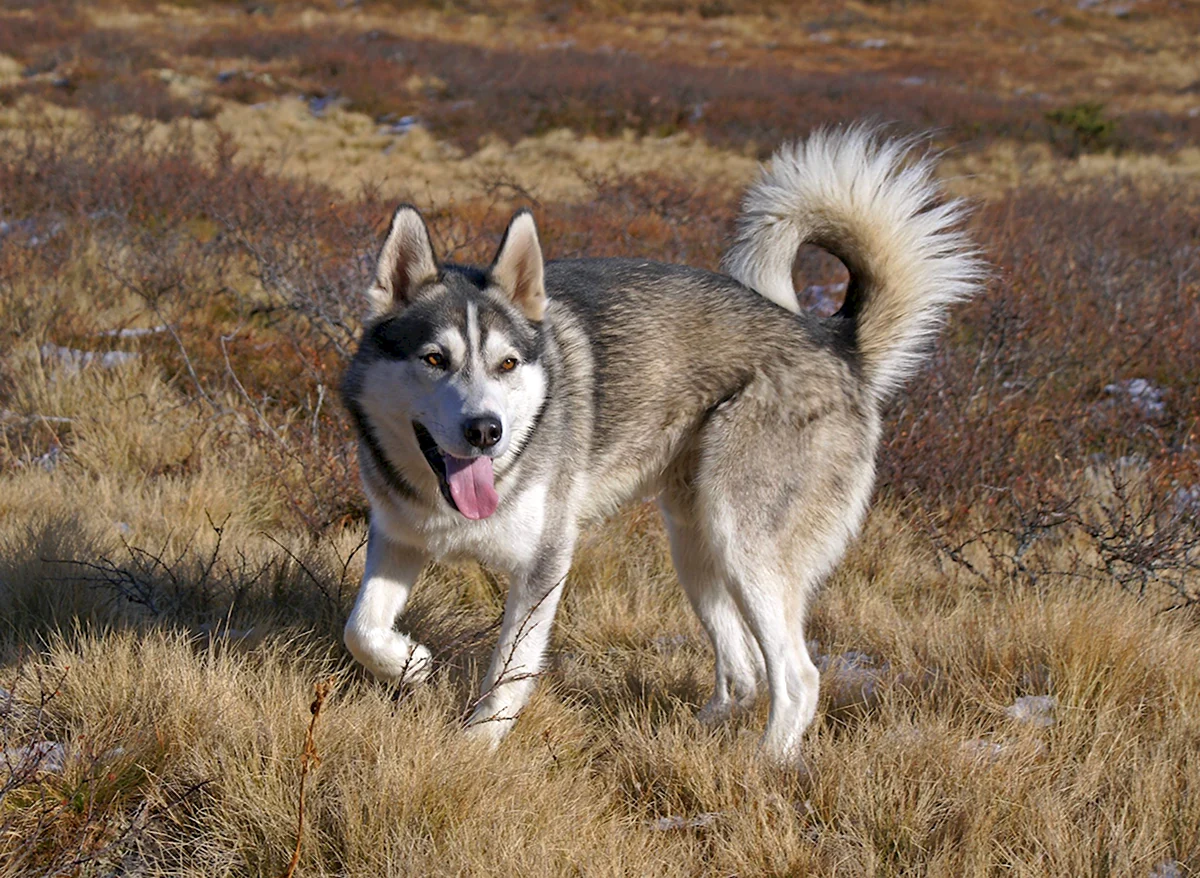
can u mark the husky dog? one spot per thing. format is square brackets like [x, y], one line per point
[499, 410]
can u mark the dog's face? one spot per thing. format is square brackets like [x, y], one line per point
[448, 378]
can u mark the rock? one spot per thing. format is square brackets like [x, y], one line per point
[980, 750]
[1167, 869]
[6, 415]
[403, 125]
[47, 756]
[318, 104]
[822, 299]
[1187, 500]
[667, 824]
[1144, 396]
[71, 361]
[1034, 710]
[669, 644]
[984, 752]
[852, 678]
[132, 333]
[28, 231]
[48, 461]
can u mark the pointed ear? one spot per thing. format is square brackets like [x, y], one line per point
[405, 262]
[517, 268]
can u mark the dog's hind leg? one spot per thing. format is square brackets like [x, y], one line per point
[739, 663]
[779, 519]
[772, 603]
[387, 580]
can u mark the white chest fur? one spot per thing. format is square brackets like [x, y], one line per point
[506, 541]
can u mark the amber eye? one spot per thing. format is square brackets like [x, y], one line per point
[435, 359]
[509, 364]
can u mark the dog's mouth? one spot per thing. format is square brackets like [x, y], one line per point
[468, 484]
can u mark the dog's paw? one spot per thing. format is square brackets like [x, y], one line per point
[419, 665]
[389, 655]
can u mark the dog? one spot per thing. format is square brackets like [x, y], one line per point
[499, 410]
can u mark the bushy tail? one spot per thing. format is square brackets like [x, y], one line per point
[857, 196]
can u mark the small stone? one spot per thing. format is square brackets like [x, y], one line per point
[1167, 869]
[1034, 710]
[668, 824]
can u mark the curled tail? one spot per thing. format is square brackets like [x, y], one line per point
[855, 195]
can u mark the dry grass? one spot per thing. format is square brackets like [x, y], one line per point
[181, 533]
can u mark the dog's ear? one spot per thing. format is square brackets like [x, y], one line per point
[405, 262]
[517, 268]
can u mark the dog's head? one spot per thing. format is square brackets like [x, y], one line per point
[448, 379]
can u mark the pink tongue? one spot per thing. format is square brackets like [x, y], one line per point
[472, 485]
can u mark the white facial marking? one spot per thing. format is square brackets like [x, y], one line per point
[452, 342]
[472, 332]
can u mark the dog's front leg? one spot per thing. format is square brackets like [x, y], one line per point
[391, 570]
[533, 597]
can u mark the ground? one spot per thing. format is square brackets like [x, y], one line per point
[190, 198]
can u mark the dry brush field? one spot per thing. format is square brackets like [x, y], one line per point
[191, 195]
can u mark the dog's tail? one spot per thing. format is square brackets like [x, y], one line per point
[857, 196]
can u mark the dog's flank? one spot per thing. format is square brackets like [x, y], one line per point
[500, 410]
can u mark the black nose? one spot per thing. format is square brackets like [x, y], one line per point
[482, 432]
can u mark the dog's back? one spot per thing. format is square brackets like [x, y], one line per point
[664, 346]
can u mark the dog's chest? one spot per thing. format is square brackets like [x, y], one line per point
[507, 541]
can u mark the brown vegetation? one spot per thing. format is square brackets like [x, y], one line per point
[181, 530]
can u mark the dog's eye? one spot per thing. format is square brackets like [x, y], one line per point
[509, 364]
[435, 359]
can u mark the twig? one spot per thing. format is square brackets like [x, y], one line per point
[308, 759]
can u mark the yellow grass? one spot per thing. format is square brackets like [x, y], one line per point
[183, 742]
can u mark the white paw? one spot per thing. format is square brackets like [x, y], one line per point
[389, 655]
[419, 665]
